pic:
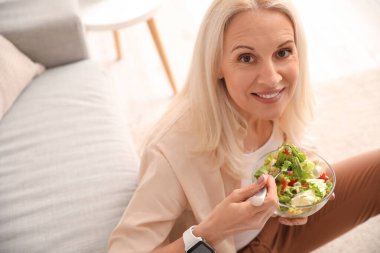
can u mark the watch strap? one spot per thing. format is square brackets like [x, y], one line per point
[190, 239]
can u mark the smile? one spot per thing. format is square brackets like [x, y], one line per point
[269, 96]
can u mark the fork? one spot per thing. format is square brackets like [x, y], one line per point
[258, 198]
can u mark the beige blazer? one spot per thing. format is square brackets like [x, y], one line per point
[176, 190]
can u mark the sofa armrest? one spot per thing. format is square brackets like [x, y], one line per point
[49, 32]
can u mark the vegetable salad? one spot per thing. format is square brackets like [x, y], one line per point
[301, 182]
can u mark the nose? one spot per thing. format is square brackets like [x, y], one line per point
[269, 74]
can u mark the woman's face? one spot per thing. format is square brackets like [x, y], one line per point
[260, 63]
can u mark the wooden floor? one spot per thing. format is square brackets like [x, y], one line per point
[344, 39]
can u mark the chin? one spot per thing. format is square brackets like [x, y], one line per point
[271, 114]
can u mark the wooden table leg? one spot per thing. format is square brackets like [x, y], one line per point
[157, 41]
[119, 52]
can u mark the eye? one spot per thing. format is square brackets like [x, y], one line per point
[284, 53]
[246, 58]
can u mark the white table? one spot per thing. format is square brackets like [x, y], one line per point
[113, 15]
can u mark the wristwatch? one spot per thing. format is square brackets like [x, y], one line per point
[194, 244]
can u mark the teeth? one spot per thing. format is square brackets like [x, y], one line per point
[268, 96]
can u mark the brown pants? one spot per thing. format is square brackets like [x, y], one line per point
[357, 199]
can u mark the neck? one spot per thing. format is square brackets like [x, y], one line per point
[258, 133]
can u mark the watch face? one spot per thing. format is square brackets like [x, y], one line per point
[201, 247]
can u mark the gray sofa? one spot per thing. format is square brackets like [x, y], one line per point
[68, 166]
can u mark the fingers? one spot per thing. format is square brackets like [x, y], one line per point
[293, 222]
[271, 185]
[270, 198]
[272, 191]
[244, 193]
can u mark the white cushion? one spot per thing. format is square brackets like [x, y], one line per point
[16, 71]
[67, 164]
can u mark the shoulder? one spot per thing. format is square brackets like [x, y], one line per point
[177, 142]
[175, 150]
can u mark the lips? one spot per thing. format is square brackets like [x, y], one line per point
[268, 96]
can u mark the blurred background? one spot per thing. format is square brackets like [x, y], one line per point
[343, 38]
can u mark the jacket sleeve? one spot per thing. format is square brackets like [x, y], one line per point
[156, 204]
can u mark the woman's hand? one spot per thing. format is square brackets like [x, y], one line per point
[236, 213]
[292, 221]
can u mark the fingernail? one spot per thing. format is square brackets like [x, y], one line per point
[261, 179]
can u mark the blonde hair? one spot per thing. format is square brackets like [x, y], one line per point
[219, 127]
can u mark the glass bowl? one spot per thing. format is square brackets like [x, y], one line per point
[304, 210]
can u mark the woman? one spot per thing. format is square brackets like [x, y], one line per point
[247, 92]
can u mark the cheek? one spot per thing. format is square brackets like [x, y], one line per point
[238, 83]
[292, 74]
[236, 78]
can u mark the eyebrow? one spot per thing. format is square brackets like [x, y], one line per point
[286, 42]
[252, 49]
[242, 47]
